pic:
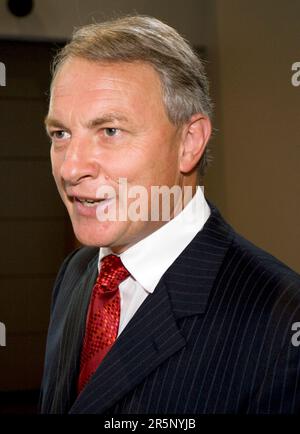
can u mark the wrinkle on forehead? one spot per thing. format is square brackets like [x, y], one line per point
[81, 85]
[77, 68]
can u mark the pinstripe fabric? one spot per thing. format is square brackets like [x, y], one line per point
[66, 330]
[214, 337]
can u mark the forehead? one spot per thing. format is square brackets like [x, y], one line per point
[83, 90]
[80, 77]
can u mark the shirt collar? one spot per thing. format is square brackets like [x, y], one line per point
[149, 259]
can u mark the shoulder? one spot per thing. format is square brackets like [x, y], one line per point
[269, 307]
[73, 266]
[265, 289]
[77, 261]
[80, 258]
[244, 261]
[255, 283]
[258, 261]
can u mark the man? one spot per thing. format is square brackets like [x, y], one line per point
[155, 315]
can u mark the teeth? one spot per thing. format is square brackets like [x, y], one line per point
[89, 202]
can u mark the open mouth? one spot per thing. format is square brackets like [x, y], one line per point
[89, 202]
[90, 206]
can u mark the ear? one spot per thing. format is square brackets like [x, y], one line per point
[196, 134]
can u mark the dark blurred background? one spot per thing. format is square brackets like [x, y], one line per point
[250, 47]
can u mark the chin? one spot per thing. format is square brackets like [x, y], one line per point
[91, 240]
[95, 237]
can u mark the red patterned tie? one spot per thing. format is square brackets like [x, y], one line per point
[103, 317]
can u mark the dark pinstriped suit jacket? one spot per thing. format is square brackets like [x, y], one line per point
[214, 337]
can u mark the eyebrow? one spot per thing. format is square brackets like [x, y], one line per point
[97, 122]
[52, 122]
[110, 117]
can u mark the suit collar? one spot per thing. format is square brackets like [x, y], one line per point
[190, 278]
[153, 335]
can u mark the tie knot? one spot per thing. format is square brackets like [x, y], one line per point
[112, 273]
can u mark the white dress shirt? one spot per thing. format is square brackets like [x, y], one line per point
[149, 259]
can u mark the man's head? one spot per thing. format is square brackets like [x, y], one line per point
[129, 99]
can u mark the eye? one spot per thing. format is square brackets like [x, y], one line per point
[59, 134]
[111, 132]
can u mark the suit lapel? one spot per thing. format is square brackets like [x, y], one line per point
[153, 335]
[69, 317]
[191, 277]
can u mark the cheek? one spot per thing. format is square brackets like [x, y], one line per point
[151, 168]
[53, 162]
[55, 165]
[55, 171]
[165, 162]
[56, 161]
[132, 165]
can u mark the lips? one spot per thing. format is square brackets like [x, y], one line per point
[88, 206]
[89, 202]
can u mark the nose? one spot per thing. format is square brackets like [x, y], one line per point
[78, 163]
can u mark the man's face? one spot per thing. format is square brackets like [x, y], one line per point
[108, 121]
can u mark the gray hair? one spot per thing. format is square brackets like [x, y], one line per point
[142, 38]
